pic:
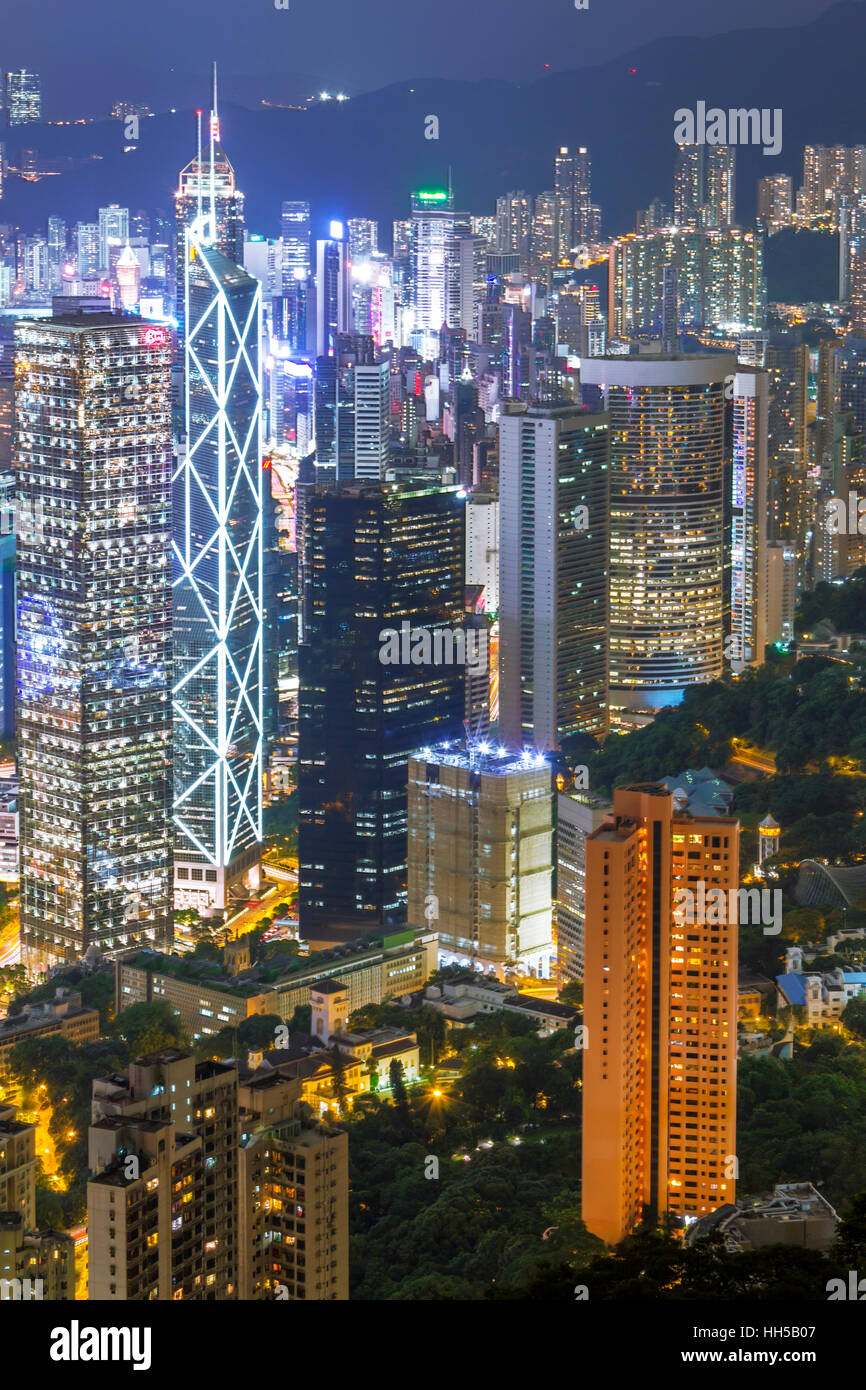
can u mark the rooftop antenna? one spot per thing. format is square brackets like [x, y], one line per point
[450, 186]
[214, 136]
[199, 179]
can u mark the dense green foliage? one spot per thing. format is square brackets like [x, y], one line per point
[480, 1218]
[804, 716]
[97, 992]
[804, 1120]
[843, 604]
[67, 1072]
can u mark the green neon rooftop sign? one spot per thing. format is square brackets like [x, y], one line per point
[436, 195]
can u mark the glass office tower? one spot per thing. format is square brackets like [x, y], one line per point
[218, 582]
[94, 631]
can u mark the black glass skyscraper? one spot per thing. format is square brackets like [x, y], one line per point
[376, 557]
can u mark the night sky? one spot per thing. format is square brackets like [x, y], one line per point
[91, 52]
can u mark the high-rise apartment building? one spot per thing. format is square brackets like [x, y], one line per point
[749, 481]
[218, 560]
[572, 175]
[830, 173]
[719, 174]
[547, 241]
[383, 600]
[660, 1009]
[162, 1199]
[720, 280]
[788, 369]
[667, 474]
[513, 222]
[481, 855]
[553, 574]
[775, 202]
[688, 186]
[23, 97]
[35, 1266]
[294, 1197]
[93, 469]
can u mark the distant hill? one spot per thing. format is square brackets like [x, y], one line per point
[363, 157]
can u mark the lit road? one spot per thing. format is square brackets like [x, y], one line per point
[246, 919]
[278, 872]
[10, 950]
[754, 758]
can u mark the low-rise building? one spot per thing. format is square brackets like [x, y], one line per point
[462, 1001]
[794, 1214]
[64, 1014]
[822, 995]
[207, 998]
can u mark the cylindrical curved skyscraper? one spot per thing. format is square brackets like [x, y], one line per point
[667, 438]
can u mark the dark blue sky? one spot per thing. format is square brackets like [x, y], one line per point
[91, 52]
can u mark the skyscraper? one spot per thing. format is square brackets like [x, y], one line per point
[217, 493]
[295, 235]
[113, 232]
[553, 580]
[775, 202]
[208, 184]
[377, 557]
[372, 420]
[720, 279]
[660, 1009]
[23, 97]
[720, 166]
[688, 186]
[667, 433]
[513, 222]
[432, 235]
[363, 238]
[572, 174]
[333, 291]
[578, 814]
[94, 629]
[749, 573]
[352, 411]
[481, 855]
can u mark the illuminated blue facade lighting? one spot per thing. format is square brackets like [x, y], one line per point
[218, 753]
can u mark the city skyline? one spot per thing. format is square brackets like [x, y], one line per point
[433, 548]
